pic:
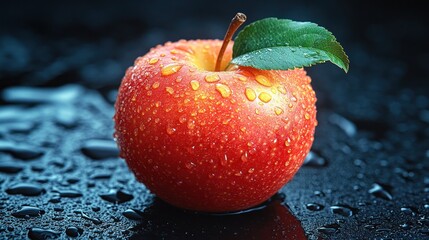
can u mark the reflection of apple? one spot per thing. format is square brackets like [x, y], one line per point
[269, 221]
[212, 141]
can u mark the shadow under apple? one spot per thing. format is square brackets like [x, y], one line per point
[270, 220]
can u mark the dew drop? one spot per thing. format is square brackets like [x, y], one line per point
[381, 191]
[224, 90]
[194, 85]
[264, 81]
[171, 130]
[250, 94]
[251, 170]
[170, 69]
[153, 60]
[189, 165]
[241, 78]
[314, 207]
[244, 157]
[281, 89]
[343, 210]
[264, 97]
[287, 142]
[224, 160]
[210, 78]
[191, 124]
[155, 85]
[307, 116]
[278, 110]
[28, 211]
[182, 119]
[170, 90]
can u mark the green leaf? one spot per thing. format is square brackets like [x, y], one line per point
[281, 44]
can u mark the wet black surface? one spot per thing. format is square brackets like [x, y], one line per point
[367, 176]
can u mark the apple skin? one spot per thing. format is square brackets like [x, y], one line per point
[212, 141]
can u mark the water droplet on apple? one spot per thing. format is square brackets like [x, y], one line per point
[224, 160]
[170, 69]
[278, 110]
[293, 99]
[155, 85]
[241, 78]
[182, 119]
[171, 130]
[251, 170]
[170, 90]
[307, 116]
[153, 61]
[264, 81]
[244, 157]
[250, 94]
[224, 90]
[189, 165]
[264, 97]
[287, 142]
[281, 89]
[191, 124]
[195, 85]
[212, 78]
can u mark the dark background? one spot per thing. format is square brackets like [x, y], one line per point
[368, 176]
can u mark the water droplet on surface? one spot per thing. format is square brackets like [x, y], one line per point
[329, 229]
[224, 90]
[42, 234]
[251, 170]
[264, 97]
[153, 61]
[70, 193]
[314, 160]
[381, 191]
[133, 214]
[307, 116]
[409, 210]
[250, 94]
[170, 69]
[74, 231]
[27, 211]
[406, 226]
[343, 210]
[244, 157]
[171, 130]
[191, 124]
[314, 207]
[344, 124]
[210, 78]
[10, 167]
[194, 85]
[170, 90]
[94, 220]
[20, 151]
[98, 149]
[190, 165]
[287, 142]
[155, 85]
[116, 196]
[264, 81]
[278, 111]
[26, 189]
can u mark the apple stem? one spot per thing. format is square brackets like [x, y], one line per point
[236, 22]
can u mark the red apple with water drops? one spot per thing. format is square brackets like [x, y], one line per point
[213, 140]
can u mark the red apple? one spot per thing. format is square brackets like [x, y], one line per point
[208, 140]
